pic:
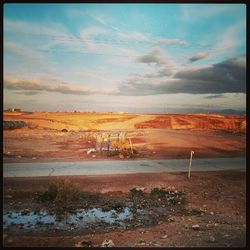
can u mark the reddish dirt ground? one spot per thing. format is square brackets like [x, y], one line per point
[220, 195]
[43, 139]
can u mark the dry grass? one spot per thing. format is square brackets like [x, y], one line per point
[61, 191]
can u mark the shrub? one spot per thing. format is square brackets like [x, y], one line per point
[123, 147]
[159, 193]
[136, 192]
[61, 191]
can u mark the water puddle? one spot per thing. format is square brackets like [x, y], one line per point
[80, 219]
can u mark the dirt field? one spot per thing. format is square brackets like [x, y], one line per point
[152, 136]
[167, 209]
[215, 201]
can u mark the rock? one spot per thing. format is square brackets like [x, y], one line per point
[140, 189]
[25, 211]
[8, 196]
[107, 243]
[9, 241]
[211, 239]
[84, 243]
[140, 244]
[121, 156]
[212, 213]
[210, 225]
[196, 227]
[93, 156]
[90, 151]
[19, 156]
[33, 158]
[154, 243]
[114, 216]
[164, 236]
[170, 219]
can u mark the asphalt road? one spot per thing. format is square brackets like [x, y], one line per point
[120, 167]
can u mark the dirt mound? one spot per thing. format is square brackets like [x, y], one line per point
[199, 121]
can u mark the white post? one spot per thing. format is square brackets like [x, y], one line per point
[189, 169]
[4, 146]
[130, 143]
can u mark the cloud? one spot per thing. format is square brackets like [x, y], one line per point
[213, 96]
[228, 76]
[152, 58]
[22, 51]
[229, 40]
[198, 56]
[35, 87]
[165, 65]
[28, 93]
[168, 41]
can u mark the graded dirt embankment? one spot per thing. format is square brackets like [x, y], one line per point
[74, 121]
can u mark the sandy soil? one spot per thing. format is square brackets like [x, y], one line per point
[43, 140]
[216, 201]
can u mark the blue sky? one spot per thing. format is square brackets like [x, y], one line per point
[125, 57]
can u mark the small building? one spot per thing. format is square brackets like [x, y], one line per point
[14, 110]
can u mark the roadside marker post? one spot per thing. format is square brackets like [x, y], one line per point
[131, 148]
[190, 162]
[4, 146]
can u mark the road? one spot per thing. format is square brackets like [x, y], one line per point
[120, 167]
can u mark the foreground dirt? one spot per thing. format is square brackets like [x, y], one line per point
[216, 202]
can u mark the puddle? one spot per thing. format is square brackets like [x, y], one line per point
[81, 219]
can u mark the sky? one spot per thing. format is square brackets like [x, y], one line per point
[138, 58]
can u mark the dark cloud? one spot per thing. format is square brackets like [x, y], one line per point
[228, 76]
[28, 92]
[198, 56]
[22, 85]
[164, 64]
[35, 87]
[152, 58]
[213, 96]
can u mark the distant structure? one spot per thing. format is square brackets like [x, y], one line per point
[14, 110]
